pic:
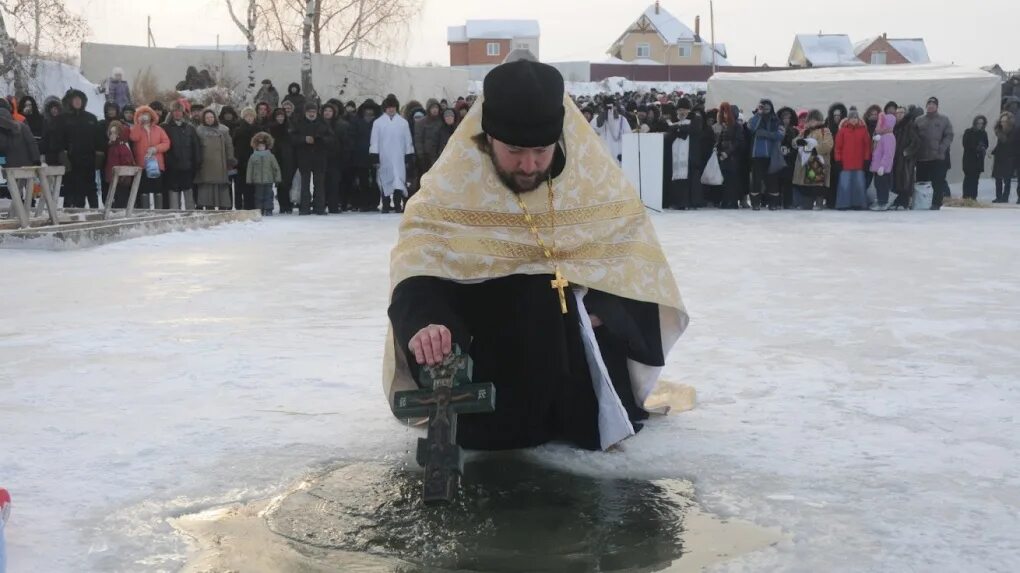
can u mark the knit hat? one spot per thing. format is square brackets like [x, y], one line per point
[523, 104]
[309, 106]
[933, 100]
[853, 113]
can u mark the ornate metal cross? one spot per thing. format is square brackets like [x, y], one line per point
[446, 391]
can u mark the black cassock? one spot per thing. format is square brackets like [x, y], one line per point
[533, 353]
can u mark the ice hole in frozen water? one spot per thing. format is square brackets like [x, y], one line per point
[511, 515]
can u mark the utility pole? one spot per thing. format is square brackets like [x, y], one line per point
[711, 16]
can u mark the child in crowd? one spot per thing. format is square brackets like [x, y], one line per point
[118, 153]
[263, 171]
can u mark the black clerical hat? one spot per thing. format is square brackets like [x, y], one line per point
[523, 104]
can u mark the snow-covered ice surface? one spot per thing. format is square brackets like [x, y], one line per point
[857, 376]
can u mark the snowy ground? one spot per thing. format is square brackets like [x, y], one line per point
[857, 376]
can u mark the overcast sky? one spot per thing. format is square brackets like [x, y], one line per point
[976, 33]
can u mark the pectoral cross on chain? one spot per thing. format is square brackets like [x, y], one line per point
[447, 391]
[559, 283]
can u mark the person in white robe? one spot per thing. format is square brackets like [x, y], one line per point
[611, 125]
[391, 147]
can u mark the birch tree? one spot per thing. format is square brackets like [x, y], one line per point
[44, 26]
[12, 60]
[311, 14]
[248, 28]
[338, 27]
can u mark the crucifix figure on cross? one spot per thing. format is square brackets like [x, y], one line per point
[559, 283]
[446, 391]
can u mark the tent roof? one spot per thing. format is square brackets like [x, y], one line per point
[905, 73]
[827, 49]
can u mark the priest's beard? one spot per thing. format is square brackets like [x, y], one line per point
[519, 182]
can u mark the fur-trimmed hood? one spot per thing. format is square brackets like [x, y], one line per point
[71, 94]
[262, 137]
[143, 109]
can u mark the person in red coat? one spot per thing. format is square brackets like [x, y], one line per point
[150, 141]
[118, 153]
[853, 149]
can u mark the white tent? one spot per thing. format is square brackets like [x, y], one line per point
[963, 92]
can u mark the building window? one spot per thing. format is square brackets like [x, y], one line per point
[522, 46]
[644, 51]
[878, 58]
[492, 49]
[685, 50]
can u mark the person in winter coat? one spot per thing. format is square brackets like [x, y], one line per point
[1005, 156]
[366, 186]
[853, 150]
[50, 144]
[427, 136]
[975, 147]
[118, 154]
[908, 143]
[837, 113]
[338, 156]
[117, 90]
[812, 171]
[871, 116]
[295, 98]
[12, 105]
[936, 133]
[150, 142]
[283, 150]
[268, 95]
[730, 147]
[212, 177]
[788, 119]
[883, 159]
[157, 106]
[33, 115]
[682, 146]
[244, 131]
[263, 171]
[81, 148]
[392, 149]
[766, 134]
[17, 144]
[228, 117]
[111, 113]
[446, 131]
[183, 159]
[312, 139]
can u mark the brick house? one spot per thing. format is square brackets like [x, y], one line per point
[488, 42]
[885, 50]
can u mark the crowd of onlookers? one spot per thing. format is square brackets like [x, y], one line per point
[310, 157]
[340, 156]
[786, 158]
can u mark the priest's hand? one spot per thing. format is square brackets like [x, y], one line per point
[595, 321]
[431, 344]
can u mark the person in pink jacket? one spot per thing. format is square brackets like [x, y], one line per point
[148, 140]
[882, 159]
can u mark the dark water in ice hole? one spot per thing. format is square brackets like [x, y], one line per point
[512, 515]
